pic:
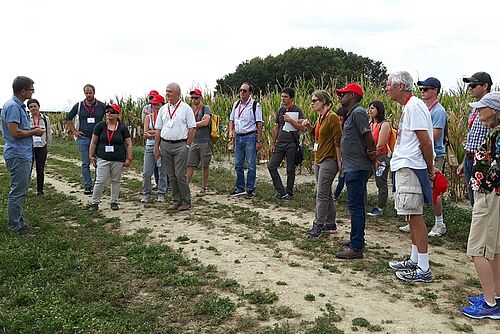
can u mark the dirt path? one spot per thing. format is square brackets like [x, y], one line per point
[256, 266]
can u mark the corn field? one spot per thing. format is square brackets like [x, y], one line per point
[454, 101]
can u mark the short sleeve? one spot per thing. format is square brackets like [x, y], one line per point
[258, 113]
[439, 119]
[72, 113]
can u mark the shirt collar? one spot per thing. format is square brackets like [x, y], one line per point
[18, 101]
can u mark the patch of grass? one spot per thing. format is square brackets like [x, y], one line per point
[281, 283]
[462, 328]
[217, 309]
[429, 295]
[279, 329]
[473, 282]
[331, 268]
[360, 322]
[326, 322]
[283, 312]
[259, 297]
[309, 297]
[263, 313]
[182, 238]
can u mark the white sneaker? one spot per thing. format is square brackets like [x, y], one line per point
[161, 198]
[145, 199]
[405, 229]
[437, 230]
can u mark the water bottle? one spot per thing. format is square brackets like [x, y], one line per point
[158, 163]
[380, 169]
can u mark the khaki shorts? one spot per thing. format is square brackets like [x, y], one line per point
[408, 199]
[439, 163]
[484, 236]
[200, 154]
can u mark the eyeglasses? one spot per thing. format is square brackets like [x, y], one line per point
[30, 89]
[243, 90]
[195, 97]
[425, 89]
[315, 100]
[112, 112]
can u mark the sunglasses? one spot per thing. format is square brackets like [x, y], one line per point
[472, 86]
[315, 100]
[425, 89]
[243, 90]
[195, 97]
[112, 112]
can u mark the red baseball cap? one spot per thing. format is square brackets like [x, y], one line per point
[351, 88]
[113, 106]
[440, 186]
[153, 93]
[196, 92]
[157, 99]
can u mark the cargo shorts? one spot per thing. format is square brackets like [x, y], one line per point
[484, 236]
[200, 154]
[409, 198]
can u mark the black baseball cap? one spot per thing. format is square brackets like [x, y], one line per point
[479, 78]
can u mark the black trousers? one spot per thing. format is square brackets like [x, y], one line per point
[281, 151]
[40, 157]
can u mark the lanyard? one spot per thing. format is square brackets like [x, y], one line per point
[318, 126]
[109, 133]
[37, 123]
[407, 99]
[433, 105]
[90, 113]
[240, 109]
[175, 109]
[155, 114]
[473, 118]
[197, 112]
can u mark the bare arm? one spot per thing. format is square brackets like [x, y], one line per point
[231, 130]
[296, 124]
[259, 136]
[128, 147]
[436, 133]
[383, 136]
[427, 150]
[370, 144]
[190, 137]
[92, 147]
[17, 133]
[71, 126]
[204, 122]
[157, 153]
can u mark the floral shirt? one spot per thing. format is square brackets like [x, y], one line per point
[486, 170]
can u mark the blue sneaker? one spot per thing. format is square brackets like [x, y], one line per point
[329, 229]
[415, 275]
[479, 299]
[315, 232]
[481, 311]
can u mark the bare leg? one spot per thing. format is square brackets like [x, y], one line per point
[189, 174]
[204, 181]
[418, 232]
[484, 271]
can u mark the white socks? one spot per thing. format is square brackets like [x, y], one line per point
[439, 220]
[423, 261]
[414, 254]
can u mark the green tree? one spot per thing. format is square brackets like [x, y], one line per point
[305, 64]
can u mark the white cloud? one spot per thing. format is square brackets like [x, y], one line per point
[130, 47]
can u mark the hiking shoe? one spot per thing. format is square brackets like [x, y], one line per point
[87, 191]
[202, 192]
[250, 194]
[174, 206]
[115, 207]
[315, 232]
[145, 199]
[405, 229]
[349, 254]
[376, 212]
[481, 311]
[278, 195]
[161, 198]
[237, 193]
[184, 207]
[437, 230]
[479, 299]
[403, 265]
[415, 275]
[329, 228]
[93, 207]
[287, 197]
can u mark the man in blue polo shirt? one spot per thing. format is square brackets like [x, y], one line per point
[90, 112]
[18, 150]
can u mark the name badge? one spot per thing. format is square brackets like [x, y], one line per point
[170, 123]
[90, 120]
[37, 139]
[109, 148]
[315, 148]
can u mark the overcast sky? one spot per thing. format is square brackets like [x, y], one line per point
[130, 47]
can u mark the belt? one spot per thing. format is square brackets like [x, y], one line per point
[174, 141]
[245, 134]
[87, 135]
[469, 154]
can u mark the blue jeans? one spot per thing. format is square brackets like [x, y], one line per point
[83, 147]
[19, 170]
[340, 186]
[356, 189]
[244, 150]
[149, 168]
[468, 174]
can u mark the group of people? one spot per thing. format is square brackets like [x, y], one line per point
[351, 143]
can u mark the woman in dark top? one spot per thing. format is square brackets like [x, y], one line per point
[110, 151]
[40, 143]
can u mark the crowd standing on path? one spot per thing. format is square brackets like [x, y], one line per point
[351, 143]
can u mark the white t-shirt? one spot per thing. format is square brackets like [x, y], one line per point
[407, 152]
[175, 127]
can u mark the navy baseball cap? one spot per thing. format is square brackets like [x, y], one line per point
[430, 82]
